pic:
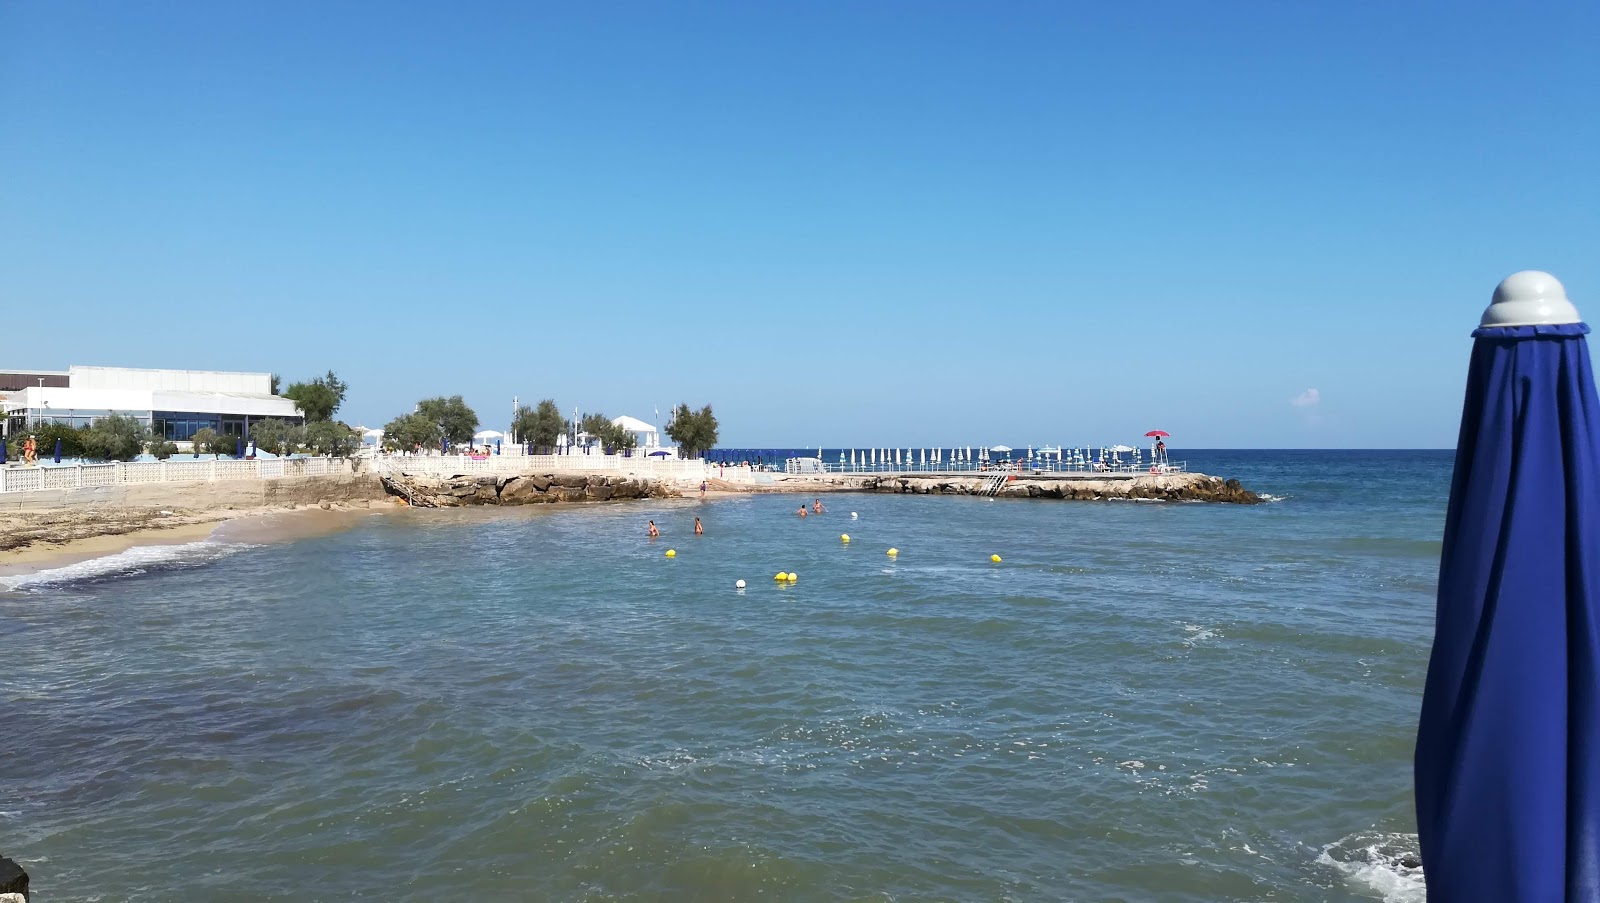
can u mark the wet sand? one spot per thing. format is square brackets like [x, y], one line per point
[246, 526]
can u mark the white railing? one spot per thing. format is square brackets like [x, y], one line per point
[78, 476]
[453, 465]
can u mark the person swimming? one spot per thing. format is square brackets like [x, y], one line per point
[654, 532]
[817, 507]
[802, 511]
[698, 530]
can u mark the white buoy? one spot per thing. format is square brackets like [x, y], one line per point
[738, 584]
[854, 516]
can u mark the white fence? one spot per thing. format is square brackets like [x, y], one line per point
[78, 476]
[451, 465]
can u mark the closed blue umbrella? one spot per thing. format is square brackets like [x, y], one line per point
[58, 449]
[2, 449]
[1508, 744]
[238, 451]
[444, 445]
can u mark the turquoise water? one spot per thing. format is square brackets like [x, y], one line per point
[1141, 702]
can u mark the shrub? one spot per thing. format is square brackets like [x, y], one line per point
[115, 438]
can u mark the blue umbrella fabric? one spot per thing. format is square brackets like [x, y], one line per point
[238, 447]
[58, 449]
[1507, 768]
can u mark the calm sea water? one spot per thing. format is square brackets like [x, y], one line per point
[1142, 702]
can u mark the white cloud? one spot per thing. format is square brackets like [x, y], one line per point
[1310, 398]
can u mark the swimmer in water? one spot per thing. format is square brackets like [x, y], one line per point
[817, 507]
[802, 511]
[653, 531]
[698, 530]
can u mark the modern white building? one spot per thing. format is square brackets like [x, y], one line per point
[175, 404]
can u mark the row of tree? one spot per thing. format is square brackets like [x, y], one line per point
[434, 421]
[119, 437]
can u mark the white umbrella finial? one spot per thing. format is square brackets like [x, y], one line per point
[1530, 298]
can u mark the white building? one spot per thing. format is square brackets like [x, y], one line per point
[175, 404]
[645, 433]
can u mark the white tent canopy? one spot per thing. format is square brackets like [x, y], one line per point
[487, 435]
[646, 433]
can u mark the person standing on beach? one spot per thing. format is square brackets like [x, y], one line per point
[702, 490]
[1161, 451]
[698, 530]
[653, 531]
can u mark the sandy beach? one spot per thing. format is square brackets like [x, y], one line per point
[44, 540]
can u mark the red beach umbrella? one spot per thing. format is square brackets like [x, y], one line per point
[1159, 433]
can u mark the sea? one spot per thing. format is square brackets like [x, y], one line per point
[1140, 701]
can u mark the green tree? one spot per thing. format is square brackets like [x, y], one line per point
[329, 437]
[694, 431]
[116, 437]
[411, 432]
[595, 425]
[540, 425]
[208, 441]
[277, 383]
[319, 398]
[161, 448]
[45, 435]
[452, 415]
[612, 436]
[276, 437]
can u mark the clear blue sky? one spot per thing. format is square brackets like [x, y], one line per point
[862, 223]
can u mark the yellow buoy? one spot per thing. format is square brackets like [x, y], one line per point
[893, 552]
[995, 558]
[793, 576]
[672, 553]
[844, 537]
[781, 576]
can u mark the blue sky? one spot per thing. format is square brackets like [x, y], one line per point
[839, 223]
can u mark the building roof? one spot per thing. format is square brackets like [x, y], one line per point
[250, 404]
[633, 424]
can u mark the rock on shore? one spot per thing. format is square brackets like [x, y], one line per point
[1188, 487]
[524, 489]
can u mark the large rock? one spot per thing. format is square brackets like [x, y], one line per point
[13, 879]
[521, 491]
[571, 480]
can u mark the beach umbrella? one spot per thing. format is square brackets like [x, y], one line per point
[58, 449]
[2, 449]
[1507, 769]
[444, 445]
[238, 447]
[1158, 434]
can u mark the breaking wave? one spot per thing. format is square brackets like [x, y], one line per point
[1388, 865]
[127, 563]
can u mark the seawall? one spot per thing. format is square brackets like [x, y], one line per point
[523, 489]
[280, 492]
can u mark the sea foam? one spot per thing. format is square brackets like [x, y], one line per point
[1380, 864]
[127, 563]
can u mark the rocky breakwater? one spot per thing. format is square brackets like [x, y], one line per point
[1177, 487]
[462, 490]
